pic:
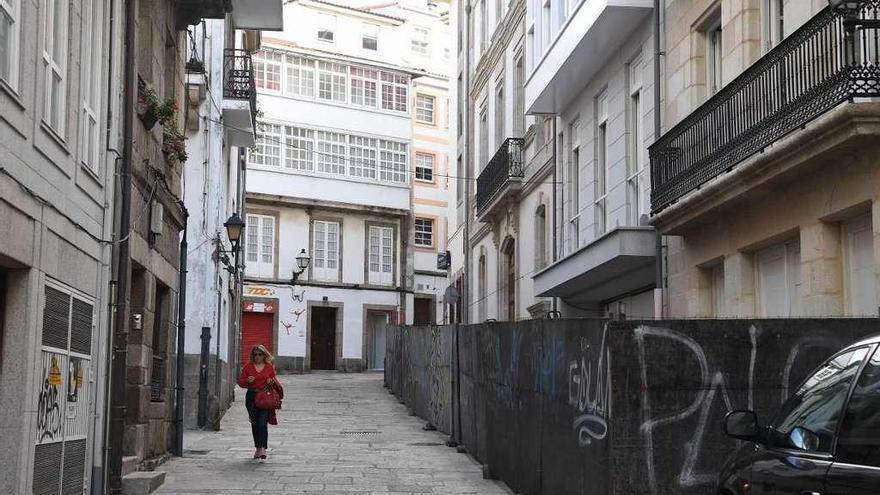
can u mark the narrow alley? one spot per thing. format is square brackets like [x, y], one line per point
[337, 433]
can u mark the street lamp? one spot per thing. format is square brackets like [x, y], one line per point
[234, 226]
[302, 262]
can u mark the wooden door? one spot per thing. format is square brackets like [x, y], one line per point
[323, 341]
[256, 329]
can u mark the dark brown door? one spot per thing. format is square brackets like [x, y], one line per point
[323, 345]
[511, 283]
[422, 311]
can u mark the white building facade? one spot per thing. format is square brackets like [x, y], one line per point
[603, 104]
[59, 127]
[330, 179]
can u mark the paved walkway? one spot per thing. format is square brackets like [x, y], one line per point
[337, 434]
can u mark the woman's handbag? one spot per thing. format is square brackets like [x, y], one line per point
[268, 399]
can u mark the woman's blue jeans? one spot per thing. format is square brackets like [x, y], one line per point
[259, 421]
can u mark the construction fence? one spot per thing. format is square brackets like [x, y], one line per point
[594, 407]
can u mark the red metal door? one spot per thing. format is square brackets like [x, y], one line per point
[256, 328]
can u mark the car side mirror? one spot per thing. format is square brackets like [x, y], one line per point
[742, 425]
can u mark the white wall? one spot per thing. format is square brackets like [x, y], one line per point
[613, 81]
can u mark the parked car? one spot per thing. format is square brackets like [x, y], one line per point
[824, 441]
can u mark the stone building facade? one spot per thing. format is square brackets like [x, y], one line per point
[787, 222]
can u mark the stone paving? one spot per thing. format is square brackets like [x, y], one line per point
[337, 434]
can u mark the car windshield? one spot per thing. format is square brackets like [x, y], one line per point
[808, 420]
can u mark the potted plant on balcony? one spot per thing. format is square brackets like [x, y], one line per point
[173, 141]
[148, 106]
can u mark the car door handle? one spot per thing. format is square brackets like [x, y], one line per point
[810, 493]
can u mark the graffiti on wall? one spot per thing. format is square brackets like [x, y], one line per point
[49, 399]
[589, 391]
[714, 392]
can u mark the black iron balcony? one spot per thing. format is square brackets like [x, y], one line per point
[831, 59]
[507, 164]
[238, 76]
[239, 97]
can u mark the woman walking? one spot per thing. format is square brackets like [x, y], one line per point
[256, 375]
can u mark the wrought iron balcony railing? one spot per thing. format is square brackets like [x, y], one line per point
[831, 59]
[505, 165]
[238, 78]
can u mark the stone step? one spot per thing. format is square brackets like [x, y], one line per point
[129, 464]
[142, 482]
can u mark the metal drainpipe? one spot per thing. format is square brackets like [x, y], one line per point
[466, 231]
[181, 338]
[555, 215]
[217, 270]
[120, 334]
[658, 264]
[239, 268]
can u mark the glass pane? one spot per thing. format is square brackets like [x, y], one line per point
[808, 420]
[859, 441]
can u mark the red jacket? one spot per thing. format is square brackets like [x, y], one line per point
[260, 376]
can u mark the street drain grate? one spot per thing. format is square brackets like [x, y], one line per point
[425, 444]
[361, 433]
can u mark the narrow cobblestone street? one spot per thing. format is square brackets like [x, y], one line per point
[337, 434]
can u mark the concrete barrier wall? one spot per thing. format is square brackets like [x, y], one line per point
[596, 407]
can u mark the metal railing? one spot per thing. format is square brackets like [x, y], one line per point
[831, 59]
[238, 78]
[506, 164]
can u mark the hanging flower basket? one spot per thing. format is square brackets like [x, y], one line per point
[148, 107]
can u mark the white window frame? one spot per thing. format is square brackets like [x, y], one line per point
[860, 224]
[326, 248]
[326, 32]
[392, 161]
[263, 61]
[91, 65]
[421, 41]
[300, 76]
[269, 139]
[426, 233]
[364, 86]
[425, 161]
[500, 113]
[363, 159]
[55, 64]
[380, 253]
[600, 170]
[299, 148]
[636, 137]
[425, 108]
[790, 253]
[327, 152]
[394, 92]
[714, 57]
[332, 82]
[370, 32]
[260, 250]
[774, 23]
[331, 152]
[11, 10]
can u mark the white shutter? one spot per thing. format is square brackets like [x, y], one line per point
[859, 239]
[381, 256]
[325, 249]
[779, 280]
[771, 281]
[260, 246]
